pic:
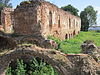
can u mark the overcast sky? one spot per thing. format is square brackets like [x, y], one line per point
[79, 4]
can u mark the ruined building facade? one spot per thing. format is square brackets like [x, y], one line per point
[43, 18]
[6, 19]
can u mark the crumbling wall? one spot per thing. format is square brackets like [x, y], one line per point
[1, 28]
[43, 18]
[56, 22]
[6, 19]
[25, 19]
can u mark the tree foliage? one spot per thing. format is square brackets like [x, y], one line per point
[5, 3]
[71, 9]
[84, 21]
[88, 18]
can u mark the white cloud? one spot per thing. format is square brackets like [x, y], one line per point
[98, 14]
[98, 9]
[98, 20]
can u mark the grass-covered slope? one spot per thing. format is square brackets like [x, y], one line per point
[73, 45]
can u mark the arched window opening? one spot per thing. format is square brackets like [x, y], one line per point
[74, 23]
[66, 36]
[50, 19]
[69, 23]
[73, 32]
[69, 36]
[59, 22]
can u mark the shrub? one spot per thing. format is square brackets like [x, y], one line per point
[98, 31]
[34, 67]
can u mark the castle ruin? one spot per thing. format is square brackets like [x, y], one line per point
[6, 19]
[41, 18]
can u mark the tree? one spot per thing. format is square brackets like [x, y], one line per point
[88, 18]
[84, 21]
[71, 9]
[4, 3]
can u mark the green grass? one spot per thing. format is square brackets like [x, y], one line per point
[72, 46]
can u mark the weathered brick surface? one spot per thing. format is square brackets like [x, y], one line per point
[44, 18]
[39, 17]
[6, 19]
[1, 28]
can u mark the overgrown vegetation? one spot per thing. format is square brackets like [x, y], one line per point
[34, 67]
[73, 45]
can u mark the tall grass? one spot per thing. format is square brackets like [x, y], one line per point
[72, 46]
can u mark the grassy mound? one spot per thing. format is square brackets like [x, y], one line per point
[72, 46]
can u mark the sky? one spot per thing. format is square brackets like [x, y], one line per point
[79, 4]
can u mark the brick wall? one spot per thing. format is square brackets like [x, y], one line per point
[39, 17]
[1, 28]
[56, 22]
[44, 18]
[6, 19]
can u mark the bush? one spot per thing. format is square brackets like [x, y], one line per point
[34, 67]
[98, 31]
